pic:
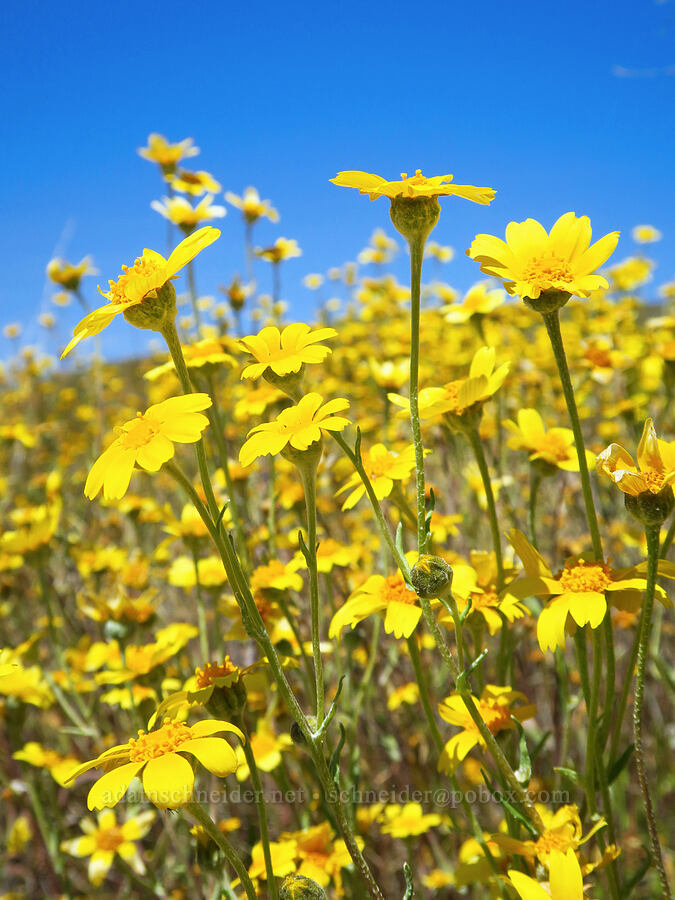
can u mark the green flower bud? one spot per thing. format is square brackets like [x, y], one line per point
[431, 577]
[305, 460]
[415, 217]
[650, 508]
[152, 312]
[299, 887]
[547, 301]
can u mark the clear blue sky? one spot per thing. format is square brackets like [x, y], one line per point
[524, 97]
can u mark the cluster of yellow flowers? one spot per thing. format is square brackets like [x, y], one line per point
[412, 633]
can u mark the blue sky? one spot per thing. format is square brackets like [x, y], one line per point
[525, 97]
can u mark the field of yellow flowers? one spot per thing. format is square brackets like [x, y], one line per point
[369, 606]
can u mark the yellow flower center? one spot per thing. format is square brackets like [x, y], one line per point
[553, 445]
[379, 466]
[654, 481]
[599, 357]
[166, 739]
[145, 269]
[110, 839]
[550, 841]
[211, 671]
[495, 716]
[483, 601]
[139, 434]
[395, 591]
[585, 577]
[543, 271]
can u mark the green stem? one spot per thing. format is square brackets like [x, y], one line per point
[623, 698]
[552, 323]
[477, 447]
[308, 475]
[201, 612]
[652, 532]
[262, 811]
[198, 812]
[416, 244]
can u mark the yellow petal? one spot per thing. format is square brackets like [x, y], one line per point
[168, 781]
[111, 787]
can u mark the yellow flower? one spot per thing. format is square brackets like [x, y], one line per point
[578, 590]
[282, 248]
[59, 767]
[390, 595]
[194, 183]
[646, 234]
[69, 275]
[209, 352]
[532, 261]
[168, 779]
[267, 748]
[478, 582]
[565, 881]
[407, 693]
[159, 150]
[478, 301]
[181, 212]
[285, 351]
[147, 441]
[497, 711]
[555, 446]
[408, 820]
[105, 838]
[562, 832]
[630, 273]
[434, 250]
[417, 186]
[383, 467]
[251, 206]
[140, 282]
[655, 464]
[297, 426]
[456, 397]
[19, 835]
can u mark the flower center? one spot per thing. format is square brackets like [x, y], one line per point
[552, 841]
[144, 269]
[110, 839]
[158, 743]
[139, 434]
[206, 676]
[379, 466]
[553, 445]
[548, 271]
[417, 178]
[495, 717]
[483, 601]
[395, 591]
[599, 356]
[585, 577]
[654, 481]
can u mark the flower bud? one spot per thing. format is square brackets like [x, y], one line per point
[300, 887]
[305, 460]
[650, 508]
[431, 577]
[152, 312]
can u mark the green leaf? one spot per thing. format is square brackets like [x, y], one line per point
[409, 886]
[524, 771]
[570, 774]
[334, 762]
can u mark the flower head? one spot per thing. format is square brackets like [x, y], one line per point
[251, 206]
[166, 155]
[285, 352]
[141, 283]
[554, 446]
[297, 426]
[194, 183]
[147, 441]
[282, 248]
[168, 779]
[69, 275]
[179, 211]
[383, 468]
[496, 708]
[655, 466]
[390, 596]
[417, 186]
[104, 839]
[532, 261]
[565, 880]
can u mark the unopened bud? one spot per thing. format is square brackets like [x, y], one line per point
[300, 887]
[548, 301]
[650, 508]
[431, 577]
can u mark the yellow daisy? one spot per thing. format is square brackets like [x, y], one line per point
[297, 426]
[147, 441]
[168, 779]
[141, 282]
[655, 466]
[285, 351]
[532, 260]
[104, 839]
[389, 595]
[417, 186]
